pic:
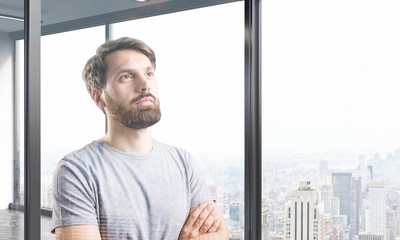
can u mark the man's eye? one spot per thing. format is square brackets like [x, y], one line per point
[150, 74]
[126, 77]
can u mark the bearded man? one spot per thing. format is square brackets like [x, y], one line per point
[127, 185]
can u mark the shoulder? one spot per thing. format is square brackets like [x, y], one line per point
[84, 158]
[169, 149]
[77, 170]
[177, 154]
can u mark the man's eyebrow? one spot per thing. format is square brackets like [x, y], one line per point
[149, 68]
[123, 70]
[131, 70]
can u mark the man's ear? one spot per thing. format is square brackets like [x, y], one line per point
[97, 98]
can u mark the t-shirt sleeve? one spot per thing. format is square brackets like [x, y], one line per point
[199, 190]
[74, 201]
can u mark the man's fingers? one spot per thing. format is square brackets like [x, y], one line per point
[195, 214]
[203, 216]
[208, 222]
[215, 226]
[200, 215]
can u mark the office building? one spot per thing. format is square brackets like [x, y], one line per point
[327, 195]
[342, 189]
[265, 229]
[376, 208]
[370, 172]
[304, 214]
[355, 205]
[236, 214]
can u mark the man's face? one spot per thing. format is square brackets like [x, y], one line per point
[131, 92]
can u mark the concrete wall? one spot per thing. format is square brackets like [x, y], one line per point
[6, 121]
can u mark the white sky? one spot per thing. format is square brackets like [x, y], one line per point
[330, 78]
[331, 75]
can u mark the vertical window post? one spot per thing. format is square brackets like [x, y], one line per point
[253, 168]
[32, 34]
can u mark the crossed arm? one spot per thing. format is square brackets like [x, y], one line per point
[205, 222]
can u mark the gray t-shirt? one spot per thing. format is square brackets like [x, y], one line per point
[128, 196]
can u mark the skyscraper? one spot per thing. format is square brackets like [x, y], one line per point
[355, 205]
[327, 195]
[265, 229]
[304, 214]
[236, 214]
[342, 189]
[370, 172]
[376, 208]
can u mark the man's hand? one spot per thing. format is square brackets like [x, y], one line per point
[201, 220]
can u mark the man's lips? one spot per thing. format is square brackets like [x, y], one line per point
[145, 101]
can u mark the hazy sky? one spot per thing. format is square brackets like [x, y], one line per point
[331, 75]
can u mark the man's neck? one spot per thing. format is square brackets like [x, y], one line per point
[133, 141]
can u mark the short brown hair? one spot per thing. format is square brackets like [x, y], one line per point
[95, 68]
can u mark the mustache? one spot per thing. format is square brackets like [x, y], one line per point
[146, 94]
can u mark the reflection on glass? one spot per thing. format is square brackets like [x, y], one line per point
[200, 76]
[69, 118]
[331, 157]
[19, 122]
[11, 105]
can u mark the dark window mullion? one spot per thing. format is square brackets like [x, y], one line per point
[253, 144]
[32, 191]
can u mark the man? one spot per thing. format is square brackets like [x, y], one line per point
[127, 185]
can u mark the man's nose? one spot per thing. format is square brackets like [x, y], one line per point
[144, 84]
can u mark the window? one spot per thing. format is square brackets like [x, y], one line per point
[330, 80]
[209, 77]
[200, 74]
[11, 221]
[70, 119]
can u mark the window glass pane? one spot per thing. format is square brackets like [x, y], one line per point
[11, 105]
[200, 75]
[69, 118]
[331, 136]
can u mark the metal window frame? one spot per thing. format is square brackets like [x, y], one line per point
[253, 145]
[32, 32]
[253, 121]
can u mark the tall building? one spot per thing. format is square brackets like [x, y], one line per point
[304, 214]
[376, 208]
[327, 195]
[370, 172]
[342, 189]
[355, 205]
[236, 214]
[265, 229]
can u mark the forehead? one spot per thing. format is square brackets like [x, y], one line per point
[127, 58]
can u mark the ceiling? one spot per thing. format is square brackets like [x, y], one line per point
[58, 11]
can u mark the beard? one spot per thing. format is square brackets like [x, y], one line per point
[135, 116]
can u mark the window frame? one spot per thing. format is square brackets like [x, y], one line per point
[252, 81]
